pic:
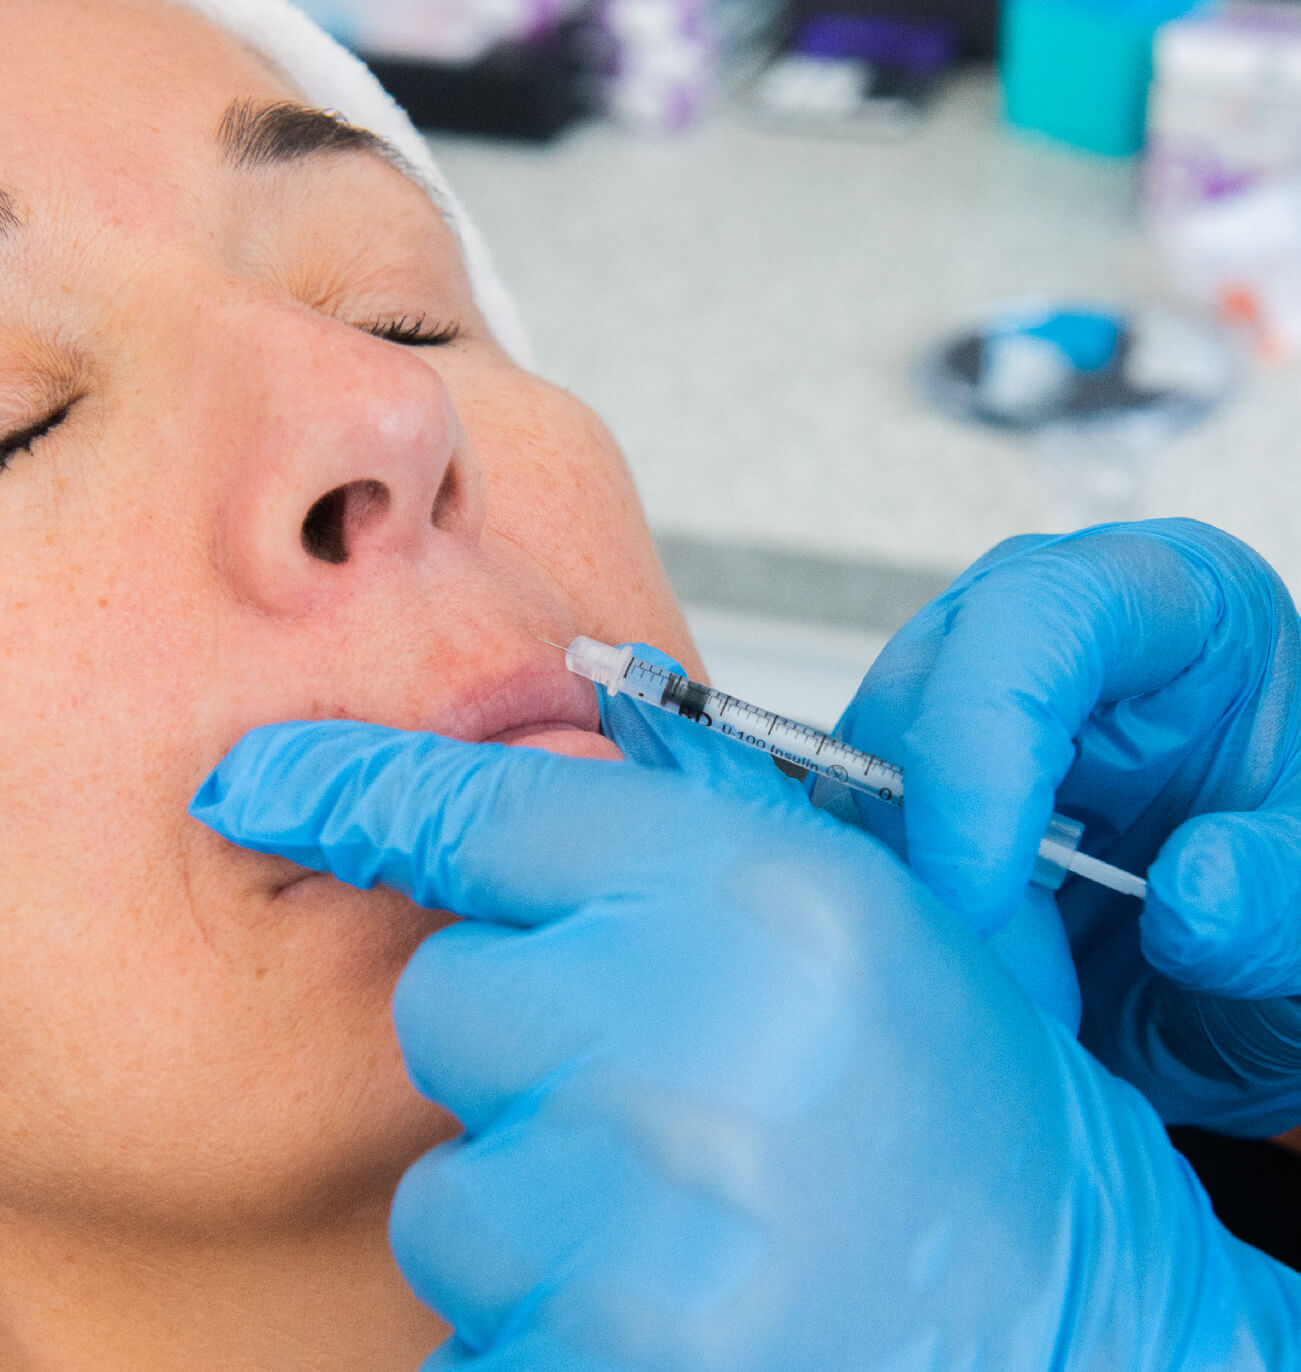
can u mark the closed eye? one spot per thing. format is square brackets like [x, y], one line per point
[414, 332]
[25, 439]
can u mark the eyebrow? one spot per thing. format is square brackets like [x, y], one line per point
[252, 135]
[9, 220]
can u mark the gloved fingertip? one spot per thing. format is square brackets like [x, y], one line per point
[1191, 894]
[627, 722]
[215, 802]
[978, 778]
[1217, 912]
[231, 791]
[208, 798]
[984, 900]
[657, 738]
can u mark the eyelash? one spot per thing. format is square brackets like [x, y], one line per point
[406, 331]
[26, 439]
[413, 333]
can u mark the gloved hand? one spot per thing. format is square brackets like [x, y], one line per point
[1148, 674]
[739, 1094]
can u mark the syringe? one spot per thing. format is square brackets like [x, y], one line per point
[619, 671]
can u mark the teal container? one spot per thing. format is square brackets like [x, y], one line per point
[1079, 70]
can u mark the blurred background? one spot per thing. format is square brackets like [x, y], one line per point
[864, 287]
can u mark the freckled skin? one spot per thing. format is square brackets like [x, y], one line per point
[204, 1108]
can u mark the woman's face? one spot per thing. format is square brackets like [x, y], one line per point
[228, 502]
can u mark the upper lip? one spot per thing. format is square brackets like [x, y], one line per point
[538, 690]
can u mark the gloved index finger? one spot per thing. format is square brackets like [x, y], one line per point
[514, 835]
[1028, 652]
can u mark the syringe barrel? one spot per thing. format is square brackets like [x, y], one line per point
[618, 670]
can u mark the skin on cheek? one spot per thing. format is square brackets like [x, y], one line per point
[162, 1021]
[559, 489]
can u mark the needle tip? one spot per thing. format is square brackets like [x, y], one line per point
[549, 644]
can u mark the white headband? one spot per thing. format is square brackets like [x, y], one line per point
[332, 78]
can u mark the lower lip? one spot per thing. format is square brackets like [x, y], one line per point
[559, 738]
[322, 894]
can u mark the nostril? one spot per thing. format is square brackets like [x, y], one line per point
[336, 519]
[323, 528]
[448, 501]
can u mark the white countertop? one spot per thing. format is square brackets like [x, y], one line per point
[744, 308]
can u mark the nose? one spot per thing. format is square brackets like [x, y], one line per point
[347, 460]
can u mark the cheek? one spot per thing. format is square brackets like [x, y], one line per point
[98, 744]
[559, 489]
[169, 1048]
[574, 511]
[100, 751]
[97, 731]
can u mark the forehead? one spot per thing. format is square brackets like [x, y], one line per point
[105, 90]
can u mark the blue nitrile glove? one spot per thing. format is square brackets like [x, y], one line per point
[1031, 944]
[739, 1094]
[1148, 675]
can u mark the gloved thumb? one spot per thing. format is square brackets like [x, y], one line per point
[652, 737]
[644, 735]
[1223, 910]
